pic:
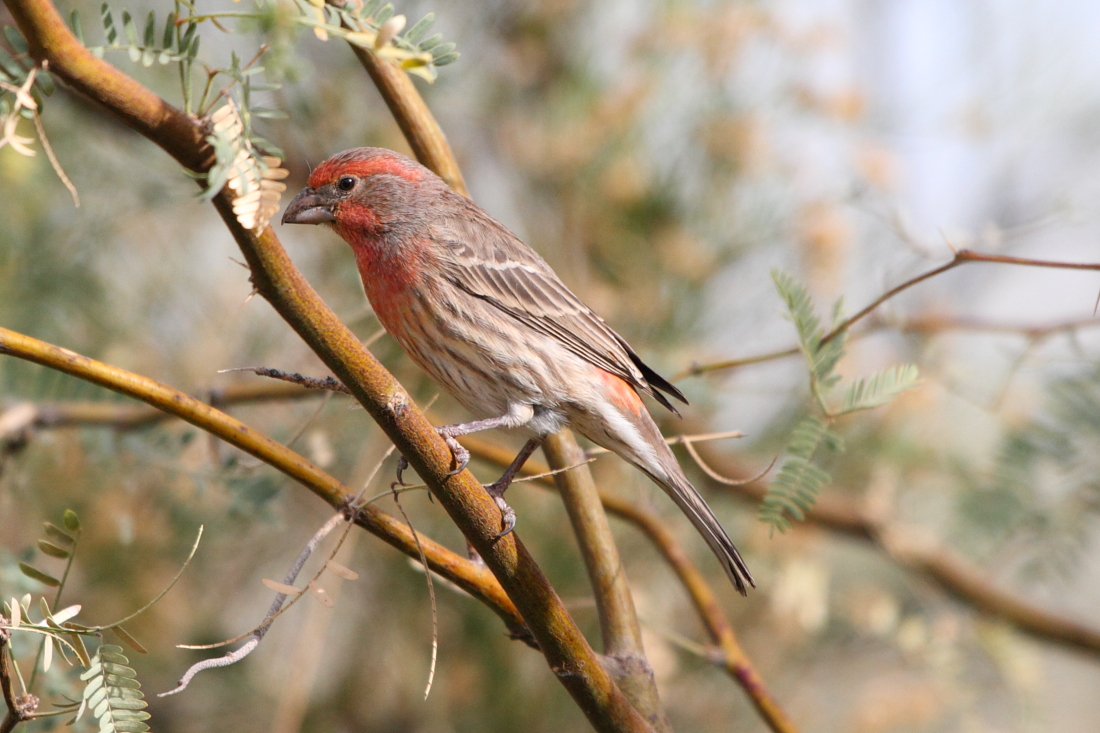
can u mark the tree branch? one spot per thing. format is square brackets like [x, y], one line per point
[622, 635]
[467, 575]
[276, 278]
[729, 653]
[618, 619]
[961, 257]
[952, 573]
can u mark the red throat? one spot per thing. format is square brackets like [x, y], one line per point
[389, 278]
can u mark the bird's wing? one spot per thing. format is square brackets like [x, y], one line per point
[487, 261]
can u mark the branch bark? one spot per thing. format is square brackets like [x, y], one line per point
[276, 278]
[618, 620]
[622, 635]
[950, 572]
[469, 576]
[728, 653]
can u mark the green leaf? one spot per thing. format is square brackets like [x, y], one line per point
[421, 27]
[880, 388]
[269, 114]
[431, 42]
[127, 703]
[119, 670]
[16, 40]
[188, 37]
[369, 7]
[384, 13]
[44, 81]
[131, 726]
[442, 50]
[52, 550]
[169, 31]
[129, 29]
[71, 521]
[150, 30]
[447, 58]
[125, 682]
[109, 24]
[77, 26]
[36, 574]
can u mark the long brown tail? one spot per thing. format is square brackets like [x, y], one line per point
[677, 486]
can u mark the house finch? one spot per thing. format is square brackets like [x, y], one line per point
[489, 320]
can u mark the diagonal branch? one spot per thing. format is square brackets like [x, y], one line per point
[618, 620]
[962, 257]
[469, 576]
[276, 278]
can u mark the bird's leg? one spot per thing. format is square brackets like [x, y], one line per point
[517, 415]
[498, 487]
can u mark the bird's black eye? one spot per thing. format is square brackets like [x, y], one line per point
[346, 183]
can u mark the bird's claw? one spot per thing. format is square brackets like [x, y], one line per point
[461, 455]
[402, 464]
[507, 513]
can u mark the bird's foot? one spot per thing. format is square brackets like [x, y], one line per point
[461, 455]
[507, 513]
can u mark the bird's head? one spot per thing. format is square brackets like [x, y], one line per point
[363, 191]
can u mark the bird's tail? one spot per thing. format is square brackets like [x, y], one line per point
[677, 486]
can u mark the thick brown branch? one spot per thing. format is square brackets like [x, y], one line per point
[277, 279]
[622, 634]
[469, 576]
[619, 623]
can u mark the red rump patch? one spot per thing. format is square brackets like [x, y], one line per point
[621, 392]
[363, 162]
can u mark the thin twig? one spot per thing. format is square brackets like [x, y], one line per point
[431, 591]
[961, 257]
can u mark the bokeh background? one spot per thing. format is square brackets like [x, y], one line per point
[664, 156]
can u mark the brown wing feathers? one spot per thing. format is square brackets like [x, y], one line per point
[522, 285]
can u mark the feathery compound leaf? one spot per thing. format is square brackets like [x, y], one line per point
[799, 481]
[881, 387]
[112, 694]
[821, 356]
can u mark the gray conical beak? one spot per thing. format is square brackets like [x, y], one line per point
[308, 207]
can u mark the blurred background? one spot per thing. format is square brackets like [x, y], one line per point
[664, 157]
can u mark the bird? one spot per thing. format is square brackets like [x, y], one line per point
[488, 319]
